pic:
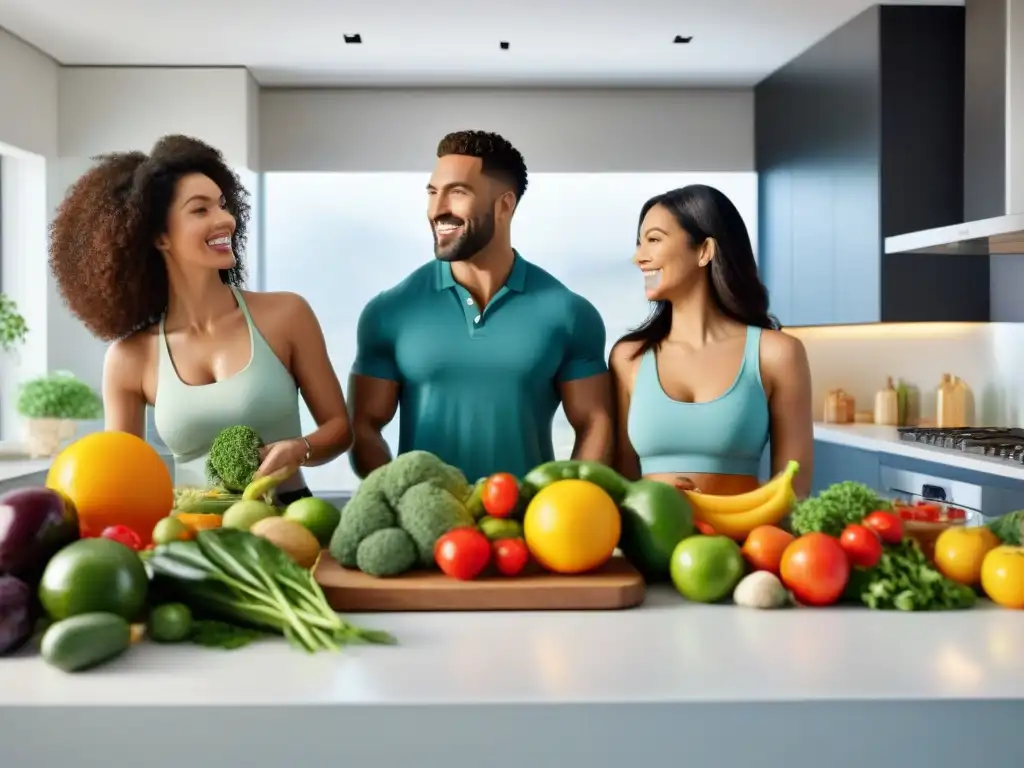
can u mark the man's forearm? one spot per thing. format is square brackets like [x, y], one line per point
[594, 440]
[369, 451]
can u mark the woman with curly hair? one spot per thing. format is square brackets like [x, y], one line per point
[147, 252]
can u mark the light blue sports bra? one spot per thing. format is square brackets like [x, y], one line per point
[724, 436]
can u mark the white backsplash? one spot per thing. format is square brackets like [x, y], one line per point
[988, 357]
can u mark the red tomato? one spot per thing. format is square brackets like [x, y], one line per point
[501, 494]
[462, 553]
[123, 535]
[704, 528]
[815, 569]
[862, 546]
[887, 526]
[510, 556]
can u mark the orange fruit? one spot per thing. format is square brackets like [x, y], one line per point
[960, 551]
[1002, 576]
[764, 546]
[114, 478]
[572, 526]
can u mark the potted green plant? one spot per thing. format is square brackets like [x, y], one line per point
[51, 405]
[12, 325]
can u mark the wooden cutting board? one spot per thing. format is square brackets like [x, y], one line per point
[614, 586]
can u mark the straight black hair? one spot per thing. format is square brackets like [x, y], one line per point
[736, 288]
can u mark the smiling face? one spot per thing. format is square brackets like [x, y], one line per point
[199, 227]
[667, 256]
[461, 207]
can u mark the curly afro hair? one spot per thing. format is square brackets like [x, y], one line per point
[500, 159]
[102, 240]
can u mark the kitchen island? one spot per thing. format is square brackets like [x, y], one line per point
[669, 683]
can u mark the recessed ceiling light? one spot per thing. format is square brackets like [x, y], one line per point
[503, 45]
[354, 39]
[681, 39]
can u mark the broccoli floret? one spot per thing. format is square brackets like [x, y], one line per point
[365, 513]
[427, 512]
[234, 458]
[387, 552]
[409, 502]
[415, 467]
[376, 480]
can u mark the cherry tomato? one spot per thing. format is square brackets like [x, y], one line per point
[815, 569]
[501, 494]
[123, 535]
[862, 546]
[510, 556]
[887, 526]
[462, 553]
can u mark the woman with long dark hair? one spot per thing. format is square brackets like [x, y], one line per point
[709, 379]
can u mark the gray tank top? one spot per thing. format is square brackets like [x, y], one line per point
[263, 395]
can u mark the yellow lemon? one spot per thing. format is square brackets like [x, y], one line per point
[959, 552]
[571, 526]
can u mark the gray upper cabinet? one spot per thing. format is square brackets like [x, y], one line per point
[858, 138]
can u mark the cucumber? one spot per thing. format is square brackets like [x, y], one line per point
[85, 640]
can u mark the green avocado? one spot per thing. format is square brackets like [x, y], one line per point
[655, 518]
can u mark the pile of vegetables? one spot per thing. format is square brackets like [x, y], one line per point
[900, 578]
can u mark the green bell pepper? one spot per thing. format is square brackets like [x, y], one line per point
[601, 475]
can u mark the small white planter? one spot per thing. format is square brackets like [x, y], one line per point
[45, 437]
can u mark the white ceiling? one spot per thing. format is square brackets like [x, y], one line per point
[453, 43]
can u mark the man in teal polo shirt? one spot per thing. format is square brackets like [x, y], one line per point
[480, 346]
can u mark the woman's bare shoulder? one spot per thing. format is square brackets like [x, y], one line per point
[624, 356]
[782, 354]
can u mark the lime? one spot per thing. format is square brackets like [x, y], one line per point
[170, 623]
[170, 529]
[317, 516]
[706, 569]
[94, 575]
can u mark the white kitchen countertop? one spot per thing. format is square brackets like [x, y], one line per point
[872, 437]
[669, 650]
[671, 681]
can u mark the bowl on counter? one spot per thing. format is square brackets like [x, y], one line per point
[924, 519]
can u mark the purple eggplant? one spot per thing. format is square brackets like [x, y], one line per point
[34, 524]
[18, 613]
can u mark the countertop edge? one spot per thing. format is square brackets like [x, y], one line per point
[872, 437]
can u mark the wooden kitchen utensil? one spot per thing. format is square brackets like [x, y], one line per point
[887, 405]
[839, 407]
[614, 586]
[950, 405]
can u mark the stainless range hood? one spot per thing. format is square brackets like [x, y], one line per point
[993, 140]
[985, 237]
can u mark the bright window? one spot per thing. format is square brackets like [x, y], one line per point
[340, 238]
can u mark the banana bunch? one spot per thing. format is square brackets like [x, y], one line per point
[736, 516]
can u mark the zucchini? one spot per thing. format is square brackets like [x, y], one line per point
[86, 640]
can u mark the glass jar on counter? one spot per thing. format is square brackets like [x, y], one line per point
[924, 519]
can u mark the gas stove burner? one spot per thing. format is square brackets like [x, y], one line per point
[998, 442]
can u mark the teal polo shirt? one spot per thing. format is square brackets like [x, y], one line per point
[479, 386]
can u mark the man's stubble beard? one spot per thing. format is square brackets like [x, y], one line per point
[477, 235]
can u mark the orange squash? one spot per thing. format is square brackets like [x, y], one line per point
[114, 478]
[200, 521]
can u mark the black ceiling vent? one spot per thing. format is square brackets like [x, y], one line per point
[503, 45]
[354, 39]
[679, 39]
